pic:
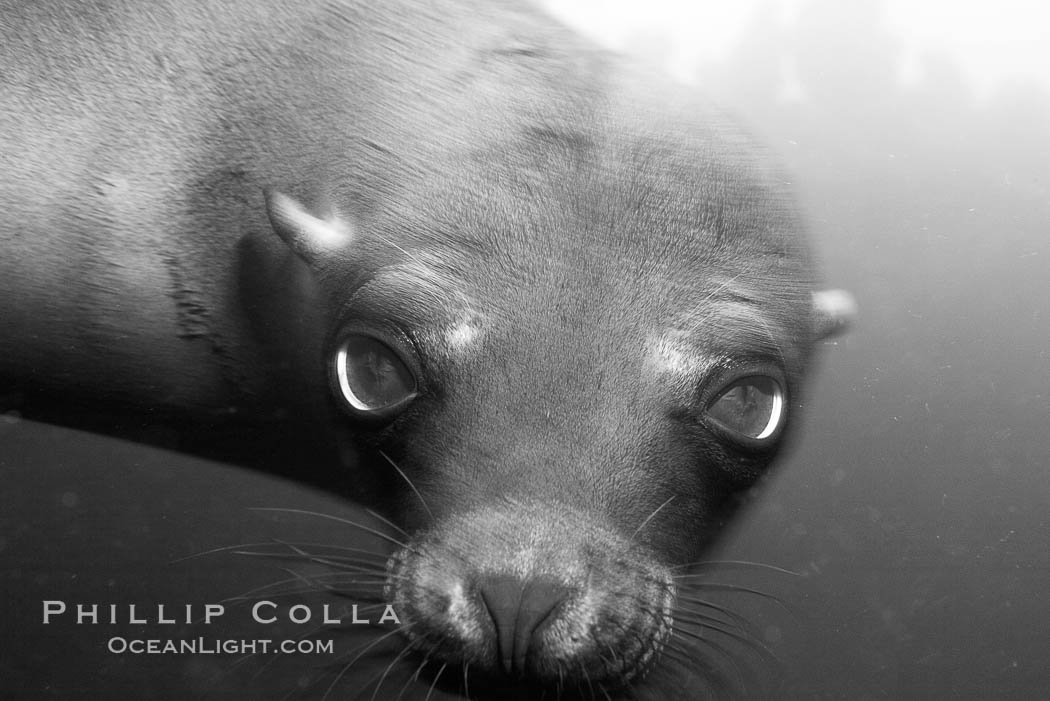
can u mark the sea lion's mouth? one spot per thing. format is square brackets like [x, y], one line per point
[533, 596]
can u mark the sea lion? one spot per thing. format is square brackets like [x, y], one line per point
[553, 314]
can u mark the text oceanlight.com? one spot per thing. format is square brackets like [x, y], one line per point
[204, 646]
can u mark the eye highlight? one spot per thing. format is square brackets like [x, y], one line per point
[372, 377]
[750, 407]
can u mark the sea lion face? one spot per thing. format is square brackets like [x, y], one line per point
[571, 368]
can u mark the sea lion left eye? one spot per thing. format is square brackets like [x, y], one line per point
[371, 375]
[752, 407]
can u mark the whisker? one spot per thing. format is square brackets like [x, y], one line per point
[315, 585]
[301, 548]
[414, 679]
[265, 590]
[745, 640]
[650, 516]
[359, 655]
[384, 519]
[410, 484]
[731, 563]
[374, 531]
[734, 664]
[722, 586]
[692, 601]
[435, 681]
[710, 296]
[390, 242]
[586, 677]
[262, 544]
[700, 619]
[275, 541]
[389, 668]
[341, 563]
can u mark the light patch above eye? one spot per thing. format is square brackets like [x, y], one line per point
[666, 356]
[751, 407]
[372, 377]
[462, 337]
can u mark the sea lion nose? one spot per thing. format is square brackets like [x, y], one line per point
[520, 610]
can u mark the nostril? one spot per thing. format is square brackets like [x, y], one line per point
[519, 609]
[502, 597]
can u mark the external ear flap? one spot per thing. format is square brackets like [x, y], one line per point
[309, 237]
[833, 313]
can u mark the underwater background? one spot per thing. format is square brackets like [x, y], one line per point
[910, 521]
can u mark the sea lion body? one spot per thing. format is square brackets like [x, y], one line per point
[563, 311]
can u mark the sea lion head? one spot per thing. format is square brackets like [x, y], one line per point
[568, 347]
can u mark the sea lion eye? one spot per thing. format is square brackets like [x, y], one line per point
[751, 407]
[372, 377]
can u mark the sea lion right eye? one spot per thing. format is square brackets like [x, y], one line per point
[751, 409]
[372, 378]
